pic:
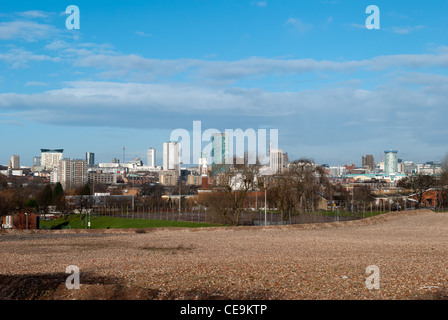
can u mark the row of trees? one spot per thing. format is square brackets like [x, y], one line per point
[16, 195]
[298, 190]
[301, 188]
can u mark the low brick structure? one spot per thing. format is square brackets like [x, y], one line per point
[25, 220]
[431, 198]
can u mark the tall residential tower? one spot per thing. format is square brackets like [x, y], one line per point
[151, 154]
[50, 158]
[391, 162]
[171, 156]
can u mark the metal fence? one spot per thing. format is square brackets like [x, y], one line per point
[246, 218]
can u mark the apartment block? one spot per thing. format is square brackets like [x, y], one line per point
[72, 173]
[50, 158]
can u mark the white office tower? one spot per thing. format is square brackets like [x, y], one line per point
[391, 162]
[151, 153]
[50, 158]
[276, 159]
[14, 162]
[171, 156]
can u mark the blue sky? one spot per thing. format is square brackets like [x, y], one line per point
[137, 70]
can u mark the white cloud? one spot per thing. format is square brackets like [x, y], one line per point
[26, 30]
[35, 83]
[19, 58]
[110, 65]
[313, 117]
[34, 14]
[143, 34]
[406, 29]
[120, 104]
[357, 25]
[57, 45]
[298, 25]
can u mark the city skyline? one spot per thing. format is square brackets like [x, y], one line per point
[130, 75]
[173, 147]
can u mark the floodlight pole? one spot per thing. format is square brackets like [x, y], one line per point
[180, 198]
[265, 207]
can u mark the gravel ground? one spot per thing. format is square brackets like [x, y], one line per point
[319, 261]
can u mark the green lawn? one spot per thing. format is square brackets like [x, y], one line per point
[103, 222]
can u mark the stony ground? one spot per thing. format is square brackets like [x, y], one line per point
[322, 261]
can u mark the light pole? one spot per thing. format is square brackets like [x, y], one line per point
[180, 198]
[265, 205]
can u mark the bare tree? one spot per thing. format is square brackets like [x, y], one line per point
[83, 198]
[362, 194]
[45, 198]
[229, 194]
[309, 181]
[419, 183]
[283, 195]
[13, 196]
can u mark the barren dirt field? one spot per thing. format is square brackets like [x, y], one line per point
[322, 261]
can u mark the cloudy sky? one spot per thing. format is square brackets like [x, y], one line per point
[137, 70]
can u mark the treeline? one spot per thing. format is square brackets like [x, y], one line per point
[303, 188]
[17, 195]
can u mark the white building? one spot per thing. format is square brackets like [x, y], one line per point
[276, 159]
[14, 162]
[151, 153]
[171, 156]
[12, 172]
[50, 158]
[337, 171]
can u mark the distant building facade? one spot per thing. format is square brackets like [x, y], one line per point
[220, 148]
[168, 178]
[151, 155]
[368, 161]
[72, 173]
[14, 162]
[194, 180]
[90, 159]
[50, 158]
[391, 162]
[276, 159]
[37, 161]
[102, 178]
[171, 156]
